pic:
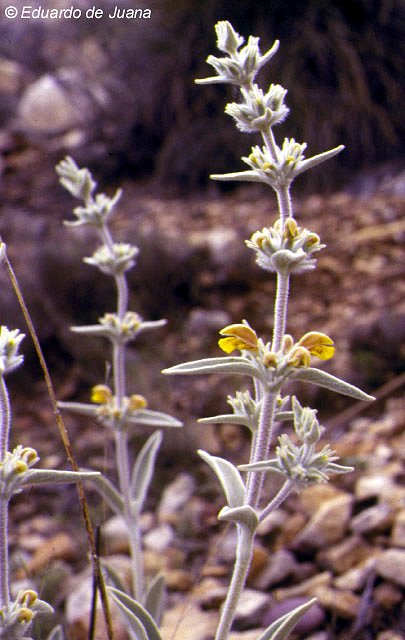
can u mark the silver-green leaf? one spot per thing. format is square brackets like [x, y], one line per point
[244, 515]
[136, 615]
[155, 598]
[143, 469]
[280, 629]
[52, 476]
[231, 364]
[326, 380]
[229, 477]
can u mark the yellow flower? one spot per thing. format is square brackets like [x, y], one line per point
[299, 357]
[318, 344]
[25, 615]
[238, 336]
[136, 402]
[101, 394]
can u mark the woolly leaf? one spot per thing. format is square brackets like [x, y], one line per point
[280, 629]
[138, 619]
[229, 477]
[326, 380]
[143, 469]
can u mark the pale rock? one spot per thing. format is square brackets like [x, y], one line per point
[178, 579]
[328, 524]
[375, 519]
[250, 609]
[279, 566]
[311, 620]
[355, 578]
[345, 555]
[273, 522]
[159, 538]
[373, 486]
[183, 622]
[259, 560]
[59, 547]
[398, 530]
[291, 529]
[306, 588]
[209, 593]
[391, 566]
[319, 635]
[389, 635]
[387, 595]
[115, 532]
[311, 498]
[175, 497]
[344, 604]
[45, 107]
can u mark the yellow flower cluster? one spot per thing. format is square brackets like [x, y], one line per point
[314, 343]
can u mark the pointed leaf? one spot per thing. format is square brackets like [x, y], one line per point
[229, 364]
[280, 629]
[326, 380]
[283, 416]
[143, 469]
[244, 515]
[110, 494]
[149, 418]
[229, 477]
[133, 609]
[228, 418]
[52, 476]
[80, 407]
[155, 597]
[243, 176]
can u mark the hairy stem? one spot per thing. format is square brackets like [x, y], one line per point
[242, 563]
[132, 524]
[284, 203]
[278, 499]
[5, 418]
[4, 568]
[270, 143]
[280, 310]
[261, 448]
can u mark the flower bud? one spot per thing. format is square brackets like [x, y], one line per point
[101, 394]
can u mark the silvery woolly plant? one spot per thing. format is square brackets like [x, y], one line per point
[17, 472]
[285, 249]
[112, 405]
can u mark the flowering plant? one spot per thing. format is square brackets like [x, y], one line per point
[285, 249]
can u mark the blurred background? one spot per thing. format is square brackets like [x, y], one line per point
[120, 92]
[118, 95]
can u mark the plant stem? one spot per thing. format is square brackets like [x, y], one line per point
[284, 202]
[4, 569]
[5, 418]
[132, 524]
[121, 437]
[278, 499]
[262, 445]
[280, 310]
[243, 556]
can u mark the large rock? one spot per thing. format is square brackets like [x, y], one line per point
[46, 108]
[328, 525]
